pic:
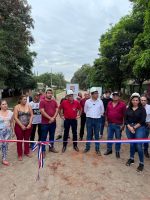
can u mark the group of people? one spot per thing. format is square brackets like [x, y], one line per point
[94, 112]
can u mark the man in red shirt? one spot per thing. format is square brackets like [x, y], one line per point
[70, 111]
[83, 115]
[115, 117]
[49, 112]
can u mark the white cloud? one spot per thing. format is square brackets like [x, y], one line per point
[67, 32]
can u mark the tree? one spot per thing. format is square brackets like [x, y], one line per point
[83, 76]
[16, 60]
[57, 79]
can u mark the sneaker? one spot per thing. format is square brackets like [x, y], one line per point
[76, 148]
[52, 149]
[140, 167]
[108, 152]
[86, 150]
[129, 162]
[146, 154]
[101, 136]
[98, 152]
[118, 154]
[59, 137]
[64, 149]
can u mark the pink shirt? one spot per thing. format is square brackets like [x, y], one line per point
[49, 107]
[115, 114]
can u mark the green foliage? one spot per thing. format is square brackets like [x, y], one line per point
[124, 51]
[16, 60]
[58, 79]
[83, 76]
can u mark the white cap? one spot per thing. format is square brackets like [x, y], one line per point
[93, 89]
[135, 94]
[69, 92]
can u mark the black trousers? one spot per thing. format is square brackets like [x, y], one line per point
[67, 124]
[34, 127]
[83, 121]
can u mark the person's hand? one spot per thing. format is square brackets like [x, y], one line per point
[23, 127]
[106, 123]
[62, 117]
[78, 116]
[13, 134]
[51, 120]
[131, 129]
[29, 126]
[122, 128]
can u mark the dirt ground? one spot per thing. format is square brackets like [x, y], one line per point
[74, 176]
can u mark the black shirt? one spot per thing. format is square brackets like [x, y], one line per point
[105, 102]
[137, 116]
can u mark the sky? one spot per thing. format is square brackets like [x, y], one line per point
[67, 32]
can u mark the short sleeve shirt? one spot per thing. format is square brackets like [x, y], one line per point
[70, 109]
[49, 107]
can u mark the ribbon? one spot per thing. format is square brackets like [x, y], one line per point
[38, 145]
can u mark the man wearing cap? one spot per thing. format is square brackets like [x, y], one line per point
[115, 118]
[36, 117]
[70, 111]
[93, 109]
[49, 111]
[106, 99]
[83, 115]
[147, 130]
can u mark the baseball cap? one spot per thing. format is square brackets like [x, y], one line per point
[69, 92]
[93, 89]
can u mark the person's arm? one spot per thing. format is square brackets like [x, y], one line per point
[86, 107]
[55, 115]
[142, 120]
[31, 117]
[102, 107]
[16, 118]
[12, 125]
[60, 111]
[131, 129]
[42, 110]
[123, 124]
[79, 111]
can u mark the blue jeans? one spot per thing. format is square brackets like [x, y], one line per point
[93, 127]
[139, 133]
[45, 128]
[146, 145]
[102, 125]
[114, 129]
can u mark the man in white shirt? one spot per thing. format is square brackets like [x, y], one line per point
[93, 109]
[147, 130]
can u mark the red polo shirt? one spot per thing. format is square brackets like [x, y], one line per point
[49, 107]
[70, 109]
[115, 114]
[82, 103]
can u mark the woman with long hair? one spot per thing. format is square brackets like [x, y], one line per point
[23, 116]
[6, 129]
[135, 118]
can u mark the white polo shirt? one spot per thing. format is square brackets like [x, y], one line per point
[94, 109]
[147, 108]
